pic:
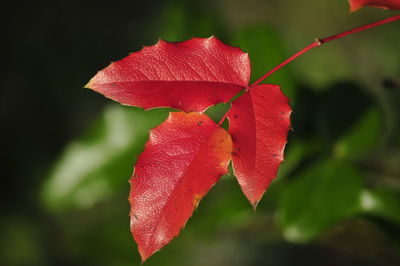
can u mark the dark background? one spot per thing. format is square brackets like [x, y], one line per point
[67, 152]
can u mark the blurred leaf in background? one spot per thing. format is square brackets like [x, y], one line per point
[322, 195]
[362, 138]
[92, 168]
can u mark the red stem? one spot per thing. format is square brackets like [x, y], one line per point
[319, 42]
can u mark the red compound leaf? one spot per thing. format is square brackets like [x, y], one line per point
[385, 4]
[187, 154]
[184, 157]
[189, 76]
[259, 122]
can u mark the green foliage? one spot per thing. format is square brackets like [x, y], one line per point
[381, 202]
[321, 196]
[362, 138]
[93, 168]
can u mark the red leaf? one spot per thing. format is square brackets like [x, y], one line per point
[189, 76]
[258, 123]
[385, 4]
[184, 157]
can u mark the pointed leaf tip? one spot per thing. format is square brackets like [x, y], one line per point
[89, 85]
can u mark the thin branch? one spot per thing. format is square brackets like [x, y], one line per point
[319, 42]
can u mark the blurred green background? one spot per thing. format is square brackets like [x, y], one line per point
[67, 152]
